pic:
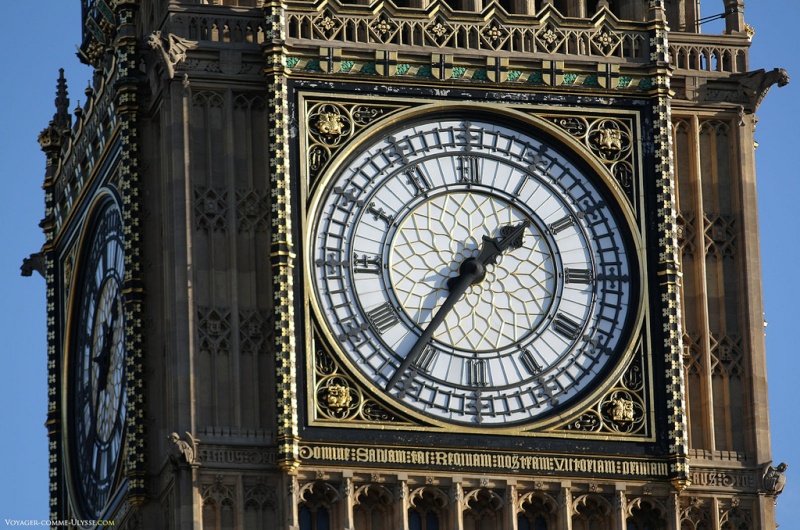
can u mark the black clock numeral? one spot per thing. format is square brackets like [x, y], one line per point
[383, 318]
[426, 358]
[468, 170]
[378, 213]
[477, 372]
[565, 326]
[530, 364]
[561, 224]
[583, 276]
[366, 264]
[418, 180]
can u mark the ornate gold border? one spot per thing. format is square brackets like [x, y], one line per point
[522, 113]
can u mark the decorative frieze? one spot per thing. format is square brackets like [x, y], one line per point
[236, 457]
[380, 25]
[721, 478]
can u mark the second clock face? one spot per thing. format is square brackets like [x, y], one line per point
[472, 272]
[97, 418]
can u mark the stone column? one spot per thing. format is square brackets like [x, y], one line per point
[347, 500]
[734, 16]
[565, 505]
[457, 505]
[511, 505]
[576, 8]
[471, 5]
[290, 502]
[401, 502]
[523, 7]
[620, 506]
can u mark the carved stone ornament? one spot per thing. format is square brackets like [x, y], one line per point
[184, 451]
[35, 262]
[171, 49]
[774, 478]
[755, 85]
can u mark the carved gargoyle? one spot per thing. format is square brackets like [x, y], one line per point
[183, 449]
[755, 85]
[33, 263]
[171, 49]
[774, 478]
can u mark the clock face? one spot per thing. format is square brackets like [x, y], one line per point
[472, 272]
[98, 391]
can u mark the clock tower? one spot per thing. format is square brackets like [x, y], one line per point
[412, 264]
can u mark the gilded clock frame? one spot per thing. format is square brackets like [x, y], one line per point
[352, 402]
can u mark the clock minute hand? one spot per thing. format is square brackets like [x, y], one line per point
[472, 271]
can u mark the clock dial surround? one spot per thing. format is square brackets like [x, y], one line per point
[97, 396]
[396, 223]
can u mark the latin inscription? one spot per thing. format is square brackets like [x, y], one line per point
[485, 460]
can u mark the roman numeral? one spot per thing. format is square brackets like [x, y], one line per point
[426, 358]
[530, 364]
[578, 276]
[561, 224]
[366, 264]
[468, 172]
[383, 318]
[565, 326]
[476, 372]
[378, 213]
[418, 180]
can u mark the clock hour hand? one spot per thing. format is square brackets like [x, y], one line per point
[471, 272]
[103, 358]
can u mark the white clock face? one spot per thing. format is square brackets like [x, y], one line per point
[472, 272]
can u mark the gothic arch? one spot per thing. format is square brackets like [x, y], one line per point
[537, 511]
[318, 504]
[373, 507]
[219, 501]
[592, 512]
[426, 505]
[695, 518]
[483, 510]
[261, 507]
[645, 513]
[735, 519]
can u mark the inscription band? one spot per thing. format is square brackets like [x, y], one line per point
[484, 460]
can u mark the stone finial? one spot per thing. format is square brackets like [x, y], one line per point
[62, 118]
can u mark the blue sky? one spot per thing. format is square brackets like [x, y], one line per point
[38, 38]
